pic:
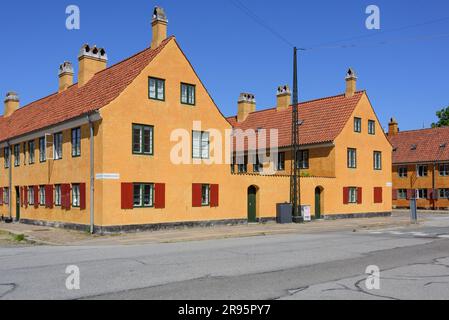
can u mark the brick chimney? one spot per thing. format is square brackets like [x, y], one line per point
[91, 60]
[65, 76]
[12, 103]
[246, 105]
[284, 98]
[351, 83]
[393, 128]
[159, 26]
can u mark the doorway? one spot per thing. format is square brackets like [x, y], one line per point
[252, 204]
[318, 203]
[17, 204]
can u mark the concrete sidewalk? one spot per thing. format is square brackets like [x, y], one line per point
[53, 236]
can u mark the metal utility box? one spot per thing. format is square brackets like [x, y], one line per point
[284, 213]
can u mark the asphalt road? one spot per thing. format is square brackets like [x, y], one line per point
[414, 264]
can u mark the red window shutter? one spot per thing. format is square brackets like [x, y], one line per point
[36, 197]
[410, 194]
[82, 196]
[197, 195]
[214, 195]
[345, 195]
[25, 198]
[159, 191]
[65, 196]
[49, 196]
[127, 196]
[1, 196]
[359, 195]
[378, 195]
[429, 194]
[395, 194]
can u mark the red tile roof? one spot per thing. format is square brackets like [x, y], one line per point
[428, 144]
[323, 120]
[74, 102]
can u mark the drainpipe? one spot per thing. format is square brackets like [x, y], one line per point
[433, 186]
[92, 173]
[10, 180]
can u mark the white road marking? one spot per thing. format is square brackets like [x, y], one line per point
[444, 236]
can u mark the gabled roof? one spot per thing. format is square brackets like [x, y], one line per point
[104, 87]
[323, 120]
[427, 145]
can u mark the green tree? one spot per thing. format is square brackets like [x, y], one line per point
[443, 117]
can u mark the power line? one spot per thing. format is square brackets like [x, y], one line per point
[399, 40]
[328, 44]
[238, 4]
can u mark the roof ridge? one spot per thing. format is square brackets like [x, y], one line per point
[99, 72]
[303, 102]
[163, 43]
[425, 129]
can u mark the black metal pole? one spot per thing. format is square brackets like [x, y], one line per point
[295, 173]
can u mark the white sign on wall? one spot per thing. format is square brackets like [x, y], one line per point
[107, 176]
[306, 213]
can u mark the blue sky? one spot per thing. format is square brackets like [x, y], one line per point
[406, 78]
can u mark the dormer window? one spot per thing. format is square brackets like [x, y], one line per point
[413, 147]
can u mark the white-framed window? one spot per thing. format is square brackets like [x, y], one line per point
[6, 195]
[200, 145]
[371, 127]
[57, 146]
[402, 172]
[281, 161]
[76, 142]
[421, 194]
[444, 193]
[444, 170]
[31, 196]
[188, 94]
[58, 195]
[42, 195]
[76, 195]
[143, 195]
[422, 170]
[205, 195]
[353, 195]
[352, 158]
[402, 194]
[377, 160]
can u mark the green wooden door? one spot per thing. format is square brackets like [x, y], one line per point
[252, 205]
[317, 203]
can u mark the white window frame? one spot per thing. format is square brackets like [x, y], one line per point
[402, 194]
[58, 201]
[57, 146]
[205, 195]
[401, 173]
[377, 160]
[76, 197]
[421, 194]
[42, 195]
[418, 174]
[353, 195]
[31, 196]
[445, 171]
[200, 145]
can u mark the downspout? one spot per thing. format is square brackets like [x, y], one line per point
[10, 180]
[433, 186]
[92, 178]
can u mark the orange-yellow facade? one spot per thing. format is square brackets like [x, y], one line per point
[115, 165]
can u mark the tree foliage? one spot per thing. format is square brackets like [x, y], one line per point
[443, 116]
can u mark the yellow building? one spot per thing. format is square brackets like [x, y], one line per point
[420, 167]
[142, 145]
